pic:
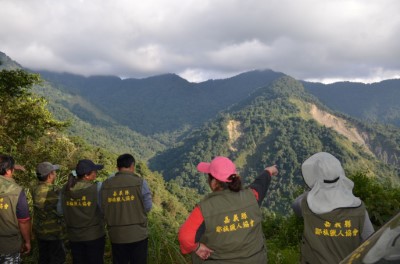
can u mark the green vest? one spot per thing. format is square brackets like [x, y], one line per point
[47, 223]
[330, 237]
[123, 208]
[10, 236]
[81, 212]
[233, 227]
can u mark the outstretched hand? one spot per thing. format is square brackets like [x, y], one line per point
[203, 252]
[273, 170]
[19, 167]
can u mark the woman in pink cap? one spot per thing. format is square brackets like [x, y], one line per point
[225, 227]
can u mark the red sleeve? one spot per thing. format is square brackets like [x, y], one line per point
[187, 232]
[255, 193]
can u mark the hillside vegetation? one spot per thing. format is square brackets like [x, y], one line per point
[274, 121]
[278, 125]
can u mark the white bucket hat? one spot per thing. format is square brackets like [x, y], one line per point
[330, 188]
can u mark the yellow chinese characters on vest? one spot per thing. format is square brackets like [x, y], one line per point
[3, 205]
[234, 223]
[80, 202]
[336, 229]
[121, 196]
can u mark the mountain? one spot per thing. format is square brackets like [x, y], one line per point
[7, 63]
[281, 124]
[159, 104]
[88, 122]
[376, 102]
[256, 118]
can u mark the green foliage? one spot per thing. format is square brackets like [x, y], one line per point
[23, 116]
[272, 130]
[382, 199]
[95, 127]
[159, 104]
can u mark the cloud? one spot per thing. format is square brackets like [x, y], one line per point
[208, 39]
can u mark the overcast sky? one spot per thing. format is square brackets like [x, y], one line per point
[320, 40]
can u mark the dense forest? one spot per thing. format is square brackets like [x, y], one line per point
[274, 127]
[270, 125]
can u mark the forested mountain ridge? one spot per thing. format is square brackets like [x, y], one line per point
[71, 98]
[87, 121]
[375, 102]
[164, 103]
[280, 124]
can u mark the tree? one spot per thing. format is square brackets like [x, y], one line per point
[23, 115]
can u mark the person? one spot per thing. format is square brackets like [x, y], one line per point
[126, 200]
[335, 221]
[80, 205]
[15, 220]
[225, 227]
[47, 222]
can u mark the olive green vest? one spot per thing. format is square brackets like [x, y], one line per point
[47, 223]
[82, 214]
[10, 236]
[123, 208]
[330, 237]
[233, 227]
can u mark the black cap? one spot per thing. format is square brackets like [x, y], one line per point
[85, 166]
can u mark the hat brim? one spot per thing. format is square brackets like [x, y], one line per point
[203, 167]
[98, 167]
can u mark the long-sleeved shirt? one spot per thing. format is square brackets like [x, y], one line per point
[194, 226]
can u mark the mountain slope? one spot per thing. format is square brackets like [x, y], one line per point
[88, 122]
[276, 125]
[162, 103]
[376, 102]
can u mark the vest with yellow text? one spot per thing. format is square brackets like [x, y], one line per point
[82, 215]
[330, 237]
[9, 231]
[123, 208]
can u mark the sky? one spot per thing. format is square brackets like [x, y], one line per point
[314, 40]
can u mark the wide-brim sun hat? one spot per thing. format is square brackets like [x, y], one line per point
[330, 188]
[220, 168]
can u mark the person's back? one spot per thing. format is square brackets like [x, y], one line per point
[9, 231]
[82, 214]
[47, 223]
[233, 221]
[123, 208]
[225, 226]
[15, 221]
[125, 201]
[330, 237]
[335, 221]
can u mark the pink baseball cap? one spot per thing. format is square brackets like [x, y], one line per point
[220, 168]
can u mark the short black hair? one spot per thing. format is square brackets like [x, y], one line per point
[6, 163]
[125, 161]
